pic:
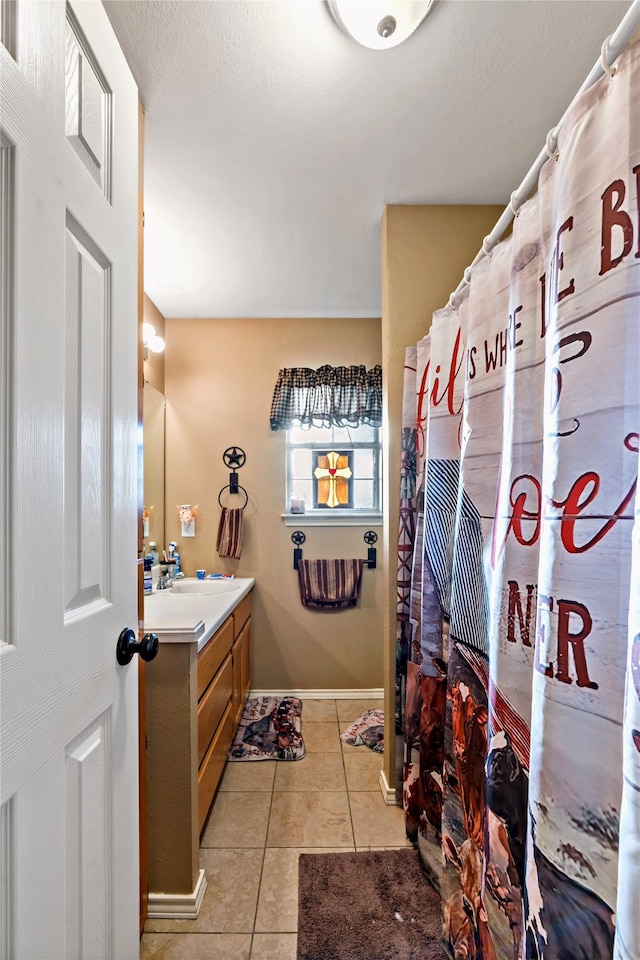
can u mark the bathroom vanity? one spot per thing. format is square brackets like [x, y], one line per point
[196, 689]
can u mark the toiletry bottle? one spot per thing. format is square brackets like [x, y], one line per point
[148, 577]
[176, 557]
[153, 551]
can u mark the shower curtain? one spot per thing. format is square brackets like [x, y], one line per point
[522, 709]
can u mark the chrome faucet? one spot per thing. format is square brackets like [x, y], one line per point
[166, 579]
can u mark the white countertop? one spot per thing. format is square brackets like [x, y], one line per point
[192, 618]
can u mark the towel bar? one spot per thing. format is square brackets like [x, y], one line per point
[370, 537]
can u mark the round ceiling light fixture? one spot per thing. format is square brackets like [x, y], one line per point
[379, 24]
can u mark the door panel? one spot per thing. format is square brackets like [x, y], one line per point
[86, 422]
[87, 106]
[68, 473]
[88, 830]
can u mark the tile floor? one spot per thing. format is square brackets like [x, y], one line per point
[263, 816]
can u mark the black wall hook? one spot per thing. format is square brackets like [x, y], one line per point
[370, 538]
[234, 457]
[298, 539]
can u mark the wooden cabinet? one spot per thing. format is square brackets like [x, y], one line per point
[194, 703]
[223, 688]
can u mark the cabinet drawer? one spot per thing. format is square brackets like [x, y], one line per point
[212, 705]
[212, 655]
[213, 765]
[241, 614]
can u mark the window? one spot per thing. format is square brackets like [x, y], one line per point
[332, 417]
[335, 469]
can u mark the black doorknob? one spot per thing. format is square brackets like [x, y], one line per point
[127, 645]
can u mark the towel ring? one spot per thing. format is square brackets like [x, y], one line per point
[240, 487]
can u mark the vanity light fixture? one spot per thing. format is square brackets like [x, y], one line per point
[379, 24]
[151, 340]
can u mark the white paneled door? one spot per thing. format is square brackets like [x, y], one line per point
[68, 478]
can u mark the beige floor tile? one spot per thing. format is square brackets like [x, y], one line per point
[205, 946]
[318, 710]
[231, 897]
[274, 946]
[248, 775]
[278, 898]
[316, 772]
[362, 770]
[351, 710]
[237, 820]
[321, 736]
[150, 944]
[310, 820]
[376, 823]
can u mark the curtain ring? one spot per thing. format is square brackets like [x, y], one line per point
[604, 63]
[552, 145]
[514, 206]
[487, 246]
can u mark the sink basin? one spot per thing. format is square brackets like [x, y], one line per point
[201, 588]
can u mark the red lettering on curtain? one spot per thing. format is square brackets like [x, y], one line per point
[565, 609]
[581, 494]
[575, 504]
[449, 388]
[614, 216]
[559, 263]
[515, 608]
[422, 413]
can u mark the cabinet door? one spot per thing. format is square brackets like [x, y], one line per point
[245, 660]
[237, 702]
[241, 669]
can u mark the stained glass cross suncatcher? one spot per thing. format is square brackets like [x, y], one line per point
[333, 487]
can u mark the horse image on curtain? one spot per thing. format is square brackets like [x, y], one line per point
[522, 727]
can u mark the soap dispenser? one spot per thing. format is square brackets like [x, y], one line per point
[174, 556]
[148, 576]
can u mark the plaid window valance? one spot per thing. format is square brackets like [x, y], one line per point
[327, 397]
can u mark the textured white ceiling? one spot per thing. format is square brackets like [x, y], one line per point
[274, 141]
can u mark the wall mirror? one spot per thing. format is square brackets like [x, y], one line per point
[153, 404]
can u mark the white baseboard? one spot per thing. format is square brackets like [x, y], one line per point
[373, 693]
[178, 906]
[388, 793]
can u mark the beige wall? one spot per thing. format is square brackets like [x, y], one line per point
[219, 380]
[219, 377]
[153, 366]
[424, 253]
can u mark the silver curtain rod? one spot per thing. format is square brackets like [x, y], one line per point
[611, 50]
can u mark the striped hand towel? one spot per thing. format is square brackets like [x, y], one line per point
[229, 542]
[330, 584]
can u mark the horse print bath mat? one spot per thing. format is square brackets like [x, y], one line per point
[367, 729]
[269, 730]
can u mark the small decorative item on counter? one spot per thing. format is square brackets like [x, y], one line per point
[298, 505]
[174, 557]
[187, 515]
[201, 574]
[148, 576]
